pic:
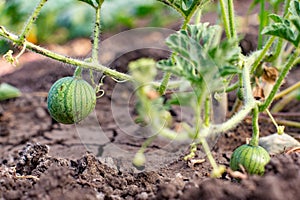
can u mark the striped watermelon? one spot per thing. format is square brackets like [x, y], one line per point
[70, 100]
[252, 158]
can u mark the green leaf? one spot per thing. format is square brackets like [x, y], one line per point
[282, 27]
[188, 3]
[279, 19]
[281, 30]
[294, 8]
[229, 70]
[7, 91]
[200, 56]
[296, 22]
[93, 3]
[185, 7]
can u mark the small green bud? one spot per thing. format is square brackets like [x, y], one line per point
[139, 159]
[280, 130]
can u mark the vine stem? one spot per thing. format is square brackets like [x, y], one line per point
[207, 107]
[95, 50]
[231, 19]
[78, 72]
[288, 90]
[283, 102]
[225, 19]
[209, 154]
[262, 23]
[31, 20]
[279, 81]
[72, 61]
[249, 104]
[263, 53]
[280, 129]
[255, 127]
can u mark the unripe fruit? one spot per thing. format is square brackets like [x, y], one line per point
[252, 158]
[70, 100]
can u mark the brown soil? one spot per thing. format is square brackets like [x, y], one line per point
[41, 159]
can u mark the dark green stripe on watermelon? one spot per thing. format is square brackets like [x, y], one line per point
[252, 158]
[70, 100]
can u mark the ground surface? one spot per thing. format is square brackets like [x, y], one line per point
[41, 159]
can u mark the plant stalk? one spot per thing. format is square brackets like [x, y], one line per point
[249, 104]
[225, 19]
[255, 127]
[72, 61]
[283, 102]
[231, 19]
[78, 72]
[261, 24]
[208, 153]
[287, 91]
[207, 107]
[31, 20]
[95, 50]
[263, 53]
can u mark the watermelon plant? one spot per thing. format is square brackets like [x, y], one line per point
[205, 65]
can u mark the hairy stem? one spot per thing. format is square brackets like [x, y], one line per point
[78, 72]
[261, 23]
[225, 19]
[231, 19]
[255, 127]
[278, 51]
[31, 20]
[208, 153]
[95, 50]
[207, 107]
[40, 50]
[249, 103]
[263, 53]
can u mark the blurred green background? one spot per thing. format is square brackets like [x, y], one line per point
[63, 20]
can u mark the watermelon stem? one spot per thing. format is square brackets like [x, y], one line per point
[78, 72]
[255, 130]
